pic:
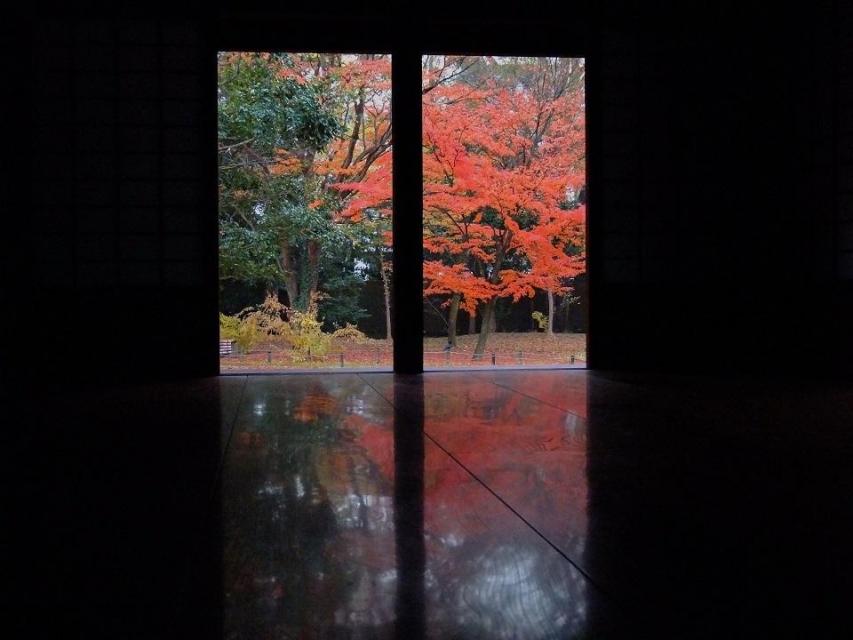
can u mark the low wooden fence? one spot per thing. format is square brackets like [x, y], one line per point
[278, 358]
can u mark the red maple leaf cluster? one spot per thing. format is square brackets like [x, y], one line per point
[503, 144]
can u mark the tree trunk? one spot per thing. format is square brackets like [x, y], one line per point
[550, 312]
[309, 275]
[313, 267]
[472, 323]
[452, 315]
[488, 323]
[356, 129]
[485, 326]
[291, 281]
[386, 289]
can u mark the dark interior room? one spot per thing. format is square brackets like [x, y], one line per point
[693, 481]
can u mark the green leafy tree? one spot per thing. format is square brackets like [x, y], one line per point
[271, 126]
[297, 134]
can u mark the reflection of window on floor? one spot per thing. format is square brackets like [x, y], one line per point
[504, 211]
[304, 210]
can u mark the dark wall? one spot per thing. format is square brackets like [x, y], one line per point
[115, 267]
[721, 200]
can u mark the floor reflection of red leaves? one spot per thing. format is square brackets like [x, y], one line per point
[314, 405]
[244, 582]
[377, 440]
[250, 440]
[568, 392]
[537, 463]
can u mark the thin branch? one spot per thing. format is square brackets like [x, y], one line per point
[440, 81]
[235, 145]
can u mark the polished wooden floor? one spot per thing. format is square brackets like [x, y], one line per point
[502, 504]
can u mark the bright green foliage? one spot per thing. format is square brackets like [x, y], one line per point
[271, 125]
[247, 254]
[259, 101]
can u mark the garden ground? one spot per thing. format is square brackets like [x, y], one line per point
[502, 349]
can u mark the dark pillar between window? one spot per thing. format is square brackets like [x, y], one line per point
[409, 455]
[407, 296]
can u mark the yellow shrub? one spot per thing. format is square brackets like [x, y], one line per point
[244, 332]
[304, 331]
[267, 317]
[350, 333]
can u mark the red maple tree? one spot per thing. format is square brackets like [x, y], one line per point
[503, 143]
[503, 158]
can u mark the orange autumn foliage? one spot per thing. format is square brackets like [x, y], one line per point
[503, 156]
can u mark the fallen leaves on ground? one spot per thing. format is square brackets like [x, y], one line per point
[508, 349]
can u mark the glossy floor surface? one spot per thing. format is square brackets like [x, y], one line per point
[500, 504]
